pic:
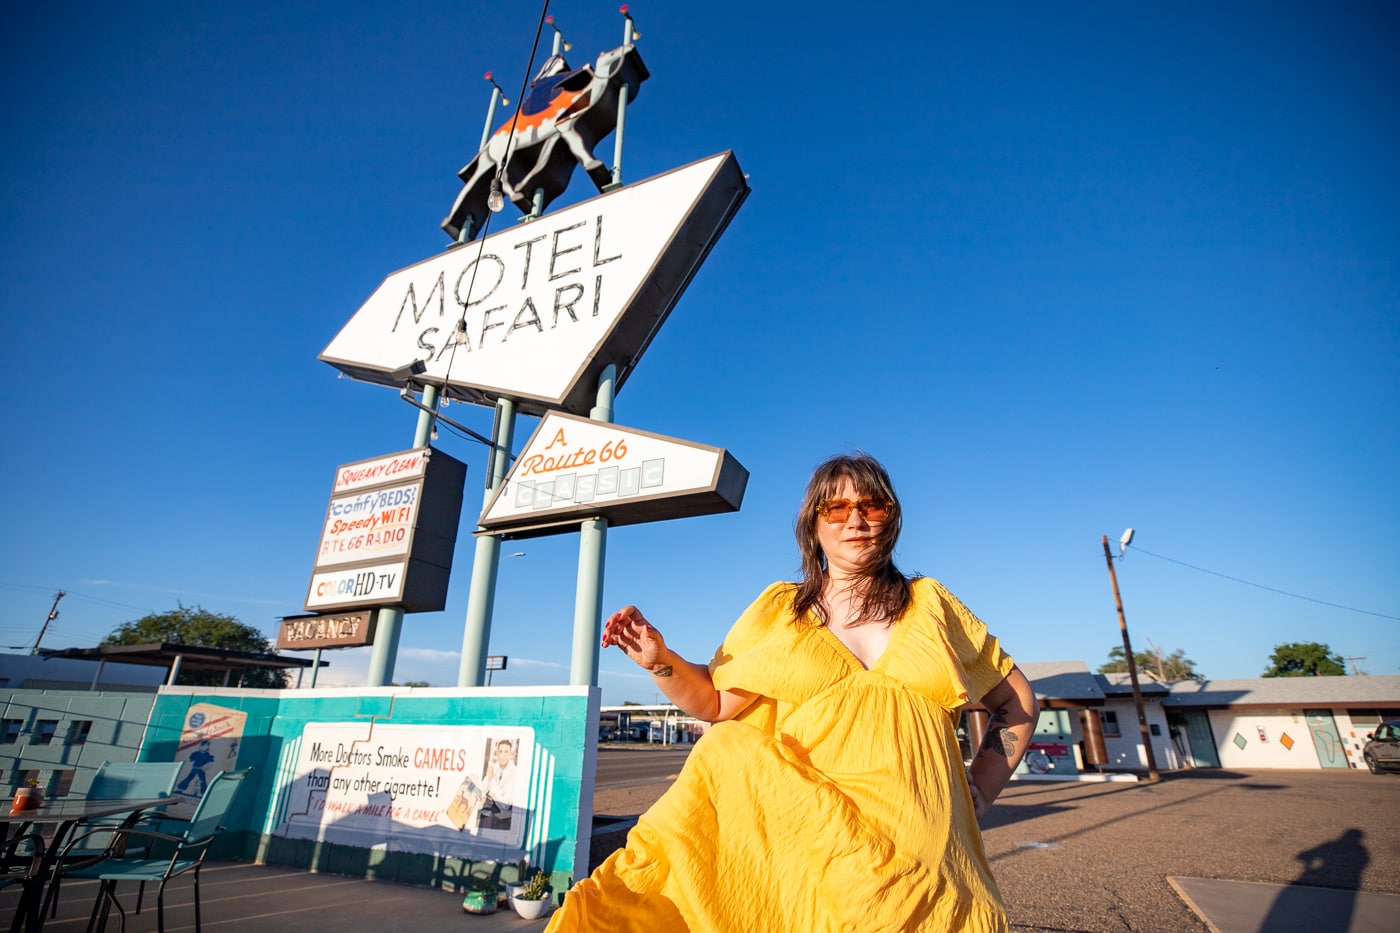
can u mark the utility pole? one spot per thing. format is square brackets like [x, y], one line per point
[1356, 671]
[1152, 772]
[53, 614]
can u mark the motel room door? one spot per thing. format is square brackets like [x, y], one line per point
[1194, 724]
[1326, 739]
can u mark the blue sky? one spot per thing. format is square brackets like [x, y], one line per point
[1064, 268]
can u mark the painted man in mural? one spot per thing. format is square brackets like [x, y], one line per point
[500, 788]
[200, 759]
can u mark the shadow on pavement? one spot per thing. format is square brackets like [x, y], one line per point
[1336, 864]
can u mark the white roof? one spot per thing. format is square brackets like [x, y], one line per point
[1346, 690]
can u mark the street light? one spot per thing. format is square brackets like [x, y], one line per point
[494, 662]
[1123, 543]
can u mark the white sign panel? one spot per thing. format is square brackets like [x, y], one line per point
[378, 584]
[403, 466]
[443, 790]
[370, 525]
[547, 304]
[578, 468]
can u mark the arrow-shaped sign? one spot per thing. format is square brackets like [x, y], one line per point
[573, 469]
[536, 312]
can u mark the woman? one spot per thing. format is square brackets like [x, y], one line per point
[830, 794]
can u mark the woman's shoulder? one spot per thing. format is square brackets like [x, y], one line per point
[778, 591]
[925, 589]
[932, 598]
[773, 604]
[771, 609]
[766, 620]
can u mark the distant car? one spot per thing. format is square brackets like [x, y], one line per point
[1382, 749]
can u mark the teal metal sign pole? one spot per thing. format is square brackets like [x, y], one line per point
[476, 634]
[592, 549]
[629, 34]
[390, 621]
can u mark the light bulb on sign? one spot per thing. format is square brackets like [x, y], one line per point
[495, 199]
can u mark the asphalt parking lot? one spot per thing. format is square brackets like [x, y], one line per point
[1263, 852]
[1095, 857]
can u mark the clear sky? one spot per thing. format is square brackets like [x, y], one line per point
[1065, 268]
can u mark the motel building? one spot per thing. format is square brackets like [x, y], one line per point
[1088, 726]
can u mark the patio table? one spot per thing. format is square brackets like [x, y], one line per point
[63, 814]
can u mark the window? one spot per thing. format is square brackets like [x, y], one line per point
[78, 731]
[62, 782]
[1364, 720]
[1110, 723]
[10, 730]
[44, 730]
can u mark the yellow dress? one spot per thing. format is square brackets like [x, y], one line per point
[836, 801]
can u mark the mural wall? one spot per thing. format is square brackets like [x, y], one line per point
[421, 785]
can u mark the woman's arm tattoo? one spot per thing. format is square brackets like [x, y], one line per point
[661, 670]
[1000, 740]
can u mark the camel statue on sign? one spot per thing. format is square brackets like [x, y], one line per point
[561, 119]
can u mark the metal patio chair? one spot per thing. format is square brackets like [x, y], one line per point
[190, 846]
[114, 781]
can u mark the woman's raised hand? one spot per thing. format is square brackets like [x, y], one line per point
[629, 630]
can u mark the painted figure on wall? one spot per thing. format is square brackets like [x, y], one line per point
[573, 107]
[200, 759]
[496, 809]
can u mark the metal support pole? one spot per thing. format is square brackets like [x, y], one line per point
[1152, 772]
[592, 551]
[490, 116]
[390, 619]
[628, 32]
[617, 137]
[481, 598]
[496, 98]
[315, 668]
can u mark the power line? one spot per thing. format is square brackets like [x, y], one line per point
[75, 595]
[1271, 589]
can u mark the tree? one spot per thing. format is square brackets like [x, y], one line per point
[1305, 659]
[200, 628]
[1163, 668]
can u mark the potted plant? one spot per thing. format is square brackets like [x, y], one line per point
[30, 796]
[482, 896]
[531, 899]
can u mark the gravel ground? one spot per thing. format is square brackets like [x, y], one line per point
[1095, 857]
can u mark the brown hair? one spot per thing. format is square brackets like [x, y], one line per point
[886, 591]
